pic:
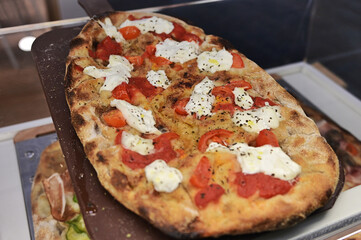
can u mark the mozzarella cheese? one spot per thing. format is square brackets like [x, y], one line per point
[117, 71]
[216, 147]
[111, 30]
[201, 100]
[158, 78]
[163, 177]
[266, 159]
[177, 51]
[136, 117]
[213, 61]
[242, 98]
[136, 143]
[153, 24]
[258, 119]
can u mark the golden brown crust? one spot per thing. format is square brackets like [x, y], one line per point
[176, 213]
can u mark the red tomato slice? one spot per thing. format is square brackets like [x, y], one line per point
[135, 160]
[163, 36]
[178, 31]
[149, 51]
[239, 83]
[78, 68]
[268, 186]
[211, 193]
[246, 185]
[102, 54]
[135, 94]
[164, 138]
[266, 137]
[223, 91]
[237, 61]
[273, 186]
[202, 173]
[132, 18]
[144, 86]
[114, 118]
[135, 60]
[225, 106]
[179, 106]
[261, 102]
[121, 92]
[108, 47]
[207, 137]
[118, 138]
[163, 147]
[92, 53]
[190, 37]
[160, 60]
[163, 150]
[129, 32]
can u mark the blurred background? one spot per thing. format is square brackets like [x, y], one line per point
[325, 33]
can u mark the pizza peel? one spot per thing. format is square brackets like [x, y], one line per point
[104, 217]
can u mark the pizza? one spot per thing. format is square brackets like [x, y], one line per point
[55, 210]
[190, 134]
[346, 146]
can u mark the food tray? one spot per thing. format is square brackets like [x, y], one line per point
[29, 145]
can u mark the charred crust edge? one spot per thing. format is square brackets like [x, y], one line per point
[68, 80]
[119, 180]
[77, 42]
[89, 147]
[101, 158]
[168, 229]
[173, 232]
[77, 121]
[223, 42]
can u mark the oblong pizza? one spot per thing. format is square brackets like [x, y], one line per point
[188, 133]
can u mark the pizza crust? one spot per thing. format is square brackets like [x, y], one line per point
[175, 213]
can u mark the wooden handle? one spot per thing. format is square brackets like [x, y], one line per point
[34, 132]
[95, 7]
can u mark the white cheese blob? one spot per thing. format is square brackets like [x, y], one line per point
[213, 61]
[242, 98]
[117, 72]
[111, 30]
[266, 159]
[136, 143]
[136, 117]
[201, 100]
[153, 24]
[163, 177]
[158, 78]
[258, 119]
[177, 51]
[217, 147]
